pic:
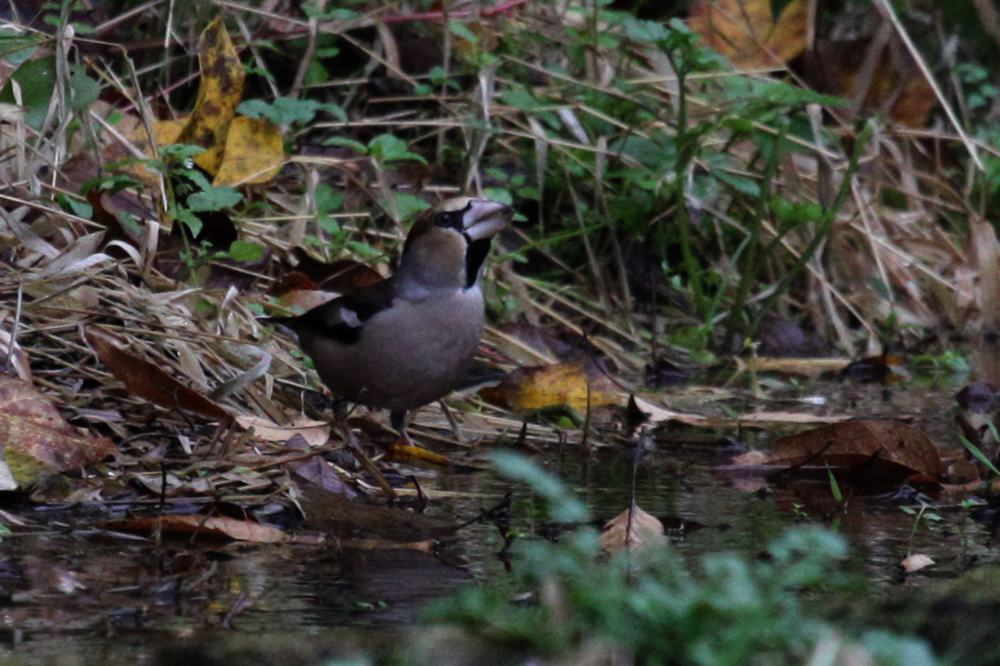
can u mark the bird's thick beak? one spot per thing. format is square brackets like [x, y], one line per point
[484, 219]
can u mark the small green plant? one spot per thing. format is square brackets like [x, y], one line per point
[978, 454]
[921, 515]
[288, 111]
[728, 610]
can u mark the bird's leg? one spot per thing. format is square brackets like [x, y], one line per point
[398, 419]
[452, 423]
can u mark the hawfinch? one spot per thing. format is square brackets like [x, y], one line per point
[408, 340]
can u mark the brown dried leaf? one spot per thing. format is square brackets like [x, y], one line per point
[314, 433]
[896, 88]
[31, 425]
[632, 529]
[746, 32]
[806, 367]
[427, 546]
[303, 300]
[321, 473]
[885, 451]
[656, 414]
[18, 357]
[149, 381]
[183, 525]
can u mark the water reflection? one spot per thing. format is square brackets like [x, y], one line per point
[100, 594]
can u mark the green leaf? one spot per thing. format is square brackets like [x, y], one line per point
[180, 152]
[835, 491]
[85, 90]
[364, 250]
[499, 194]
[327, 200]
[344, 142]
[246, 251]
[409, 205]
[389, 148]
[190, 220]
[80, 208]
[518, 97]
[282, 111]
[461, 30]
[334, 110]
[330, 226]
[979, 455]
[37, 80]
[109, 184]
[741, 184]
[16, 46]
[213, 199]
[645, 31]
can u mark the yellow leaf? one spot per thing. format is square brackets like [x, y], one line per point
[219, 93]
[254, 152]
[541, 387]
[746, 32]
[166, 132]
[407, 452]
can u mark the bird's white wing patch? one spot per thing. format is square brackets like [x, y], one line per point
[342, 316]
[350, 317]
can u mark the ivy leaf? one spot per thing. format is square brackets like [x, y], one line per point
[344, 142]
[246, 251]
[213, 199]
[409, 205]
[390, 148]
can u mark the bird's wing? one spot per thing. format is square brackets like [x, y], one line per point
[341, 319]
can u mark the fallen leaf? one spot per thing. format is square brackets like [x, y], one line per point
[806, 367]
[747, 33]
[31, 427]
[885, 451]
[896, 87]
[149, 381]
[253, 154]
[315, 433]
[182, 525]
[398, 452]
[321, 473]
[916, 562]
[303, 300]
[220, 91]
[18, 357]
[427, 546]
[656, 414]
[544, 386]
[632, 529]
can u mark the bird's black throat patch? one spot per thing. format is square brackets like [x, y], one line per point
[475, 255]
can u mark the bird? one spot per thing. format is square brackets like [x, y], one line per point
[409, 339]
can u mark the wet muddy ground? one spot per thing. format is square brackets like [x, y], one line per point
[74, 593]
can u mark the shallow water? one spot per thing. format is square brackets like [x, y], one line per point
[79, 595]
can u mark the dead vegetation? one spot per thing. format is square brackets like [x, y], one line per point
[133, 304]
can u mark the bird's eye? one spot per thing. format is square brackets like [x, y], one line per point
[448, 220]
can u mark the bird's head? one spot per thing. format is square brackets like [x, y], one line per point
[447, 246]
